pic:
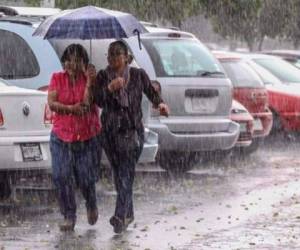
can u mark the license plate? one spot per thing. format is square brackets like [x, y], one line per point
[243, 127]
[31, 152]
[257, 124]
[206, 105]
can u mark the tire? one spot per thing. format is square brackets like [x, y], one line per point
[256, 143]
[5, 186]
[277, 126]
[177, 162]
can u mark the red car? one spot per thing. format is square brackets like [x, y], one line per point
[241, 115]
[282, 81]
[292, 56]
[250, 91]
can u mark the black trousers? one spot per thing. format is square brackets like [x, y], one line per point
[123, 162]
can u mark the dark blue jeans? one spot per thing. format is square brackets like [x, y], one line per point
[75, 164]
[123, 162]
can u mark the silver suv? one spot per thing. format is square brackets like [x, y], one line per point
[197, 91]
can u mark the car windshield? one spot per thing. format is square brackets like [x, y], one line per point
[241, 75]
[3, 83]
[181, 58]
[283, 70]
[266, 76]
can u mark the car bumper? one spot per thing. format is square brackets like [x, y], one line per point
[195, 141]
[266, 120]
[290, 121]
[245, 140]
[11, 154]
[149, 151]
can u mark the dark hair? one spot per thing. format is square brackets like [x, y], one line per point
[75, 49]
[119, 46]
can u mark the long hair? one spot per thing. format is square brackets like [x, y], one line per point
[121, 48]
[75, 49]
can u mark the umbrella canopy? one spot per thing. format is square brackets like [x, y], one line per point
[89, 22]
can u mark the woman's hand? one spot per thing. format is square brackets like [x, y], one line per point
[163, 109]
[116, 84]
[78, 109]
[90, 74]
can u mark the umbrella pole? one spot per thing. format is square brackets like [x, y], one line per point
[91, 60]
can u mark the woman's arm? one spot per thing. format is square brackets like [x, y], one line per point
[99, 90]
[56, 106]
[153, 95]
[149, 90]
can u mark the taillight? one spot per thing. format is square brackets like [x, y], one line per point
[1, 119]
[48, 115]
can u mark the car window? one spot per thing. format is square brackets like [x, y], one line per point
[180, 58]
[3, 83]
[264, 74]
[241, 75]
[16, 57]
[283, 70]
[297, 63]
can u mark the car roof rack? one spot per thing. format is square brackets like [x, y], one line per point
[28, 11]
[173, 28]
[148, 24]
[20, 20]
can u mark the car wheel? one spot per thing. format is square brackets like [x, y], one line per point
[177, 162]
[256, 143]
[5, 186]
[277, 126]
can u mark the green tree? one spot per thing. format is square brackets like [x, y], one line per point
[274, 19]
[292, 29]
[173, 11]
[33, 3]
[234, 19]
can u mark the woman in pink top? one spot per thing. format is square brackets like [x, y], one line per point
[74, 140]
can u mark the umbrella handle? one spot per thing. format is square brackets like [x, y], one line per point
[136, 31]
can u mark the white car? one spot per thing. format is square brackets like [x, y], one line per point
[25, 125]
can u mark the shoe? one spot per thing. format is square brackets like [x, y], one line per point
[127, 222]
[117, 224]
[67, 225]
[92, 215]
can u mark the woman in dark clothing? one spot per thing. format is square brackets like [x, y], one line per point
[118, 91]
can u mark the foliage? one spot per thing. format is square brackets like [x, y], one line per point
[173, 11]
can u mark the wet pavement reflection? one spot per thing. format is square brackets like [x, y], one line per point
[245, 203]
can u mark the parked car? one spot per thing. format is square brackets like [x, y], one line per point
[25, 126]
[29, 62]
[250, 91]
[292, 56]
[282, 81]
[241, 115]
[197, 91]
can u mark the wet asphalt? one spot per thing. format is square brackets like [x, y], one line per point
[239, 203]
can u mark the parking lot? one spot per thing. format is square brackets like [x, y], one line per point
[255, 198]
